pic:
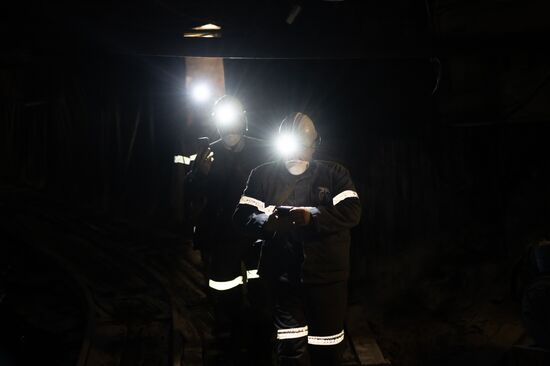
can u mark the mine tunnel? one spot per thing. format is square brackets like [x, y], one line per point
[257, 183]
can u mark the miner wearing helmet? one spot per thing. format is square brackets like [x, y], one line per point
[212, 189]
[303, 209]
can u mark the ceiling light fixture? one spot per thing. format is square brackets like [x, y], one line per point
[209, 30]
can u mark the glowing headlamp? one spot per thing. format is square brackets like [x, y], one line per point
[201, 92]
[227, 114]
[287, 144]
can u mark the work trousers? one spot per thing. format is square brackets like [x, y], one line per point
[242, 317]
[242, 326]
[309, 320]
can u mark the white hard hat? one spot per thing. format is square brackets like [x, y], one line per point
[301, 126]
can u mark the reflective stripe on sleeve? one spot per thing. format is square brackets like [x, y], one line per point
[291, 333]
[269, 209]
[225, 285]
[245, 200]
[253, 273]
[326, 340]
[342, 196]
[186, 160]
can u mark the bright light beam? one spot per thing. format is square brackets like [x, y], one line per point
[201, 93]
[287, 144]
[226, 114]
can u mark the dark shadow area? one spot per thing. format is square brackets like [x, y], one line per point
[42, 313]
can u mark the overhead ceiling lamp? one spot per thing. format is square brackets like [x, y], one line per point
[208, 26]
[209, 30]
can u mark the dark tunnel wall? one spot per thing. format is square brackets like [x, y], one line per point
[101, 131]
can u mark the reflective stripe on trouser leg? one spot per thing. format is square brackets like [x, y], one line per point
[290, 322]
[225, 285]
[330, 340]
[291, 333]
[252, 274]
[326, 311]
[291, 347]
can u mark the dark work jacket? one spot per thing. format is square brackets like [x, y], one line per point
[319, 252]
[210, 200]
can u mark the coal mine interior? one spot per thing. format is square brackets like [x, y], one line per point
[438, 110]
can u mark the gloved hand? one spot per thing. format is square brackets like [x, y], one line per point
[298, 216]
[203, 162]
[279, 223]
